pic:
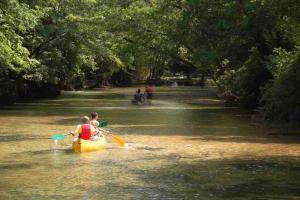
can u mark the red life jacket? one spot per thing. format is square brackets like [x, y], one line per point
[149, 89]
[85, 132]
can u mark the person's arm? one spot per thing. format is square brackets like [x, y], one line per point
[101, 131]
[77, 131]
[93, 130]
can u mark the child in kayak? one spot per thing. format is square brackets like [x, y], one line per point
[95, 123]
[86, 131]
[95, 118]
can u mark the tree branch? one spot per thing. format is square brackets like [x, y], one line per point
[2, 10]
[41, 45]
[176, 57]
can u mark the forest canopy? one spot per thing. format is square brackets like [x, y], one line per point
[248, 48]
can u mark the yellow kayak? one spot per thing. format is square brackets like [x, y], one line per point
[80, 145]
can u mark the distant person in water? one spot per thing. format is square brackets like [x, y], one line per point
[149, 89]
[85, 131]
[138, 96]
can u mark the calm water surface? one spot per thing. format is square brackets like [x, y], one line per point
[185, 145]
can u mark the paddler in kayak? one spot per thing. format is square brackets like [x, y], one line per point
[149, 89]
[138, 98]
[95, 123]
[86, 131]
[85, 141]
[95, 119]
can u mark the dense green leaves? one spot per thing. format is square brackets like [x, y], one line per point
[246, 47]
[281, 98]
[15, 20]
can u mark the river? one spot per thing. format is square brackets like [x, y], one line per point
[185, 145]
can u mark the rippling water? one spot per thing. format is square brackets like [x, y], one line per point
[185, 145]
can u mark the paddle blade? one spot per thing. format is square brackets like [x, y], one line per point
[120, 141]
[103, 123]
[58, 137]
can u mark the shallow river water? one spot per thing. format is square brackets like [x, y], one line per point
[185, 145]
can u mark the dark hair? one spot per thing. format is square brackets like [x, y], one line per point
[139, 90]
[94, 114]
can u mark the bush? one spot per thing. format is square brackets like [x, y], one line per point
[30, 90]
[245, 83]
[281, 100]
[120, 78]
[7, 93]
[252, 80]
[13, 88]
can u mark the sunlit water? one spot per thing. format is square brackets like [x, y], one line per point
[185, 145]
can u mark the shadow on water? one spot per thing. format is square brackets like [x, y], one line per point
[276, 177]
[65, 121]
[66, 104]
[93, 95]
[15, 166]
[247, 139]
[21, 137]
[149, 148]
[263, 178]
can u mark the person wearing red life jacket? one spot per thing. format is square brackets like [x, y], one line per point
[149, 89]
[85, 131]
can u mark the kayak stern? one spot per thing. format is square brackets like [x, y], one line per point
[81, 146]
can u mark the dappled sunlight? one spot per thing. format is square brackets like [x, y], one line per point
[136, 125]
[174, 148]
[190, 99]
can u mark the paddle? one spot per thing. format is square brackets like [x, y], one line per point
[60, 136]
[103, 123]
[120, 141]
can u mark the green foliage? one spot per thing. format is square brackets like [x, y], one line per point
[15, 20]
[255, 75]
[280, 61]
[240, 45]
[247, 81]
[281, 98]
